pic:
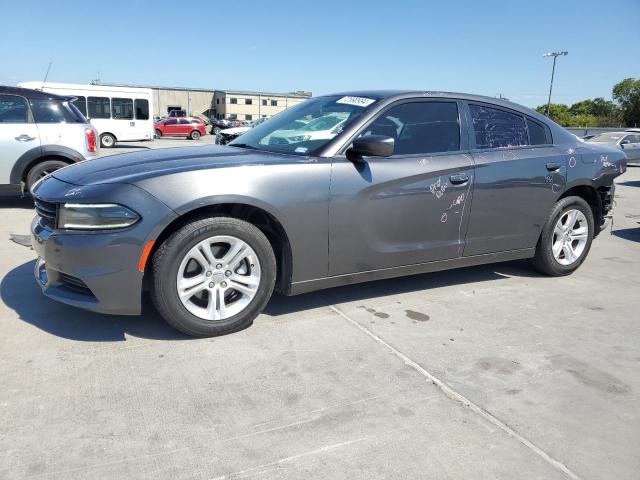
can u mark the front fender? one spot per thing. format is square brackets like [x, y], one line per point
[297, 196]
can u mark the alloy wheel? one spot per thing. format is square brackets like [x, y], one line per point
[218, 277]
[570, 237]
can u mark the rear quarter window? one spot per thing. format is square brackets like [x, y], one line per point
[55, 111]
[537, 133]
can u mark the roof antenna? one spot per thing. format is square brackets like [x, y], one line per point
[46, 74]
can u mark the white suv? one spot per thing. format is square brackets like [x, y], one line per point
[39, 133]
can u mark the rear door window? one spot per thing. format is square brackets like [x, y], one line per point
[13, 109]
[122, 108]
[142, 109]
[99, 107]
[497, 128]
[419, 127]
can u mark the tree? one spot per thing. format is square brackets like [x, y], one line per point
[563, 115]
[627, 96]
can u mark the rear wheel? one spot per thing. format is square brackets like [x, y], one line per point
[107, 140]
[158, 133]
[195, 135]
[42, 169]
[566, 237]
[213, 276]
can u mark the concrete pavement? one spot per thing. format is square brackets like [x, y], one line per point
[485, 372]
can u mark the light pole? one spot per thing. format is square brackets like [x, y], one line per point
[555, 55]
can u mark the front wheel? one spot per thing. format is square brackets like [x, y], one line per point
[213, 276]
[195, 135]
[566, 237]
[107, 140]
[158, 133]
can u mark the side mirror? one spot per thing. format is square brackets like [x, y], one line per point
[624, 142]
[372, 146]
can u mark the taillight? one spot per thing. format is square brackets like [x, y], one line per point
[91, 139]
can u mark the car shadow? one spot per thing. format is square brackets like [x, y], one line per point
[632, 234]
[630, 183]
[19, 291]
[124, 146]
[16, 201]
[281, 305]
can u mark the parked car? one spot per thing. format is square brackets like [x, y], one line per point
[189, 127]
[627, 141]
[39, 133]
[227, 135]
[413, 182]
[223, 123]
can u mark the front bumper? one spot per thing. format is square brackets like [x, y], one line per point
[97, 271]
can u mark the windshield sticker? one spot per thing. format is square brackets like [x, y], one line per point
[356, 101]
[301, 150]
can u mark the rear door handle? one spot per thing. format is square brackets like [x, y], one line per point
[24, 138]
[552, 167]
[459, 178]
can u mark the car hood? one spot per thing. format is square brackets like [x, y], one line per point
[133, 167]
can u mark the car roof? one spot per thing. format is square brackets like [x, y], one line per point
[32, 94]
[402, 94]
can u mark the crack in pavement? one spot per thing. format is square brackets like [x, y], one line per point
[461, 399]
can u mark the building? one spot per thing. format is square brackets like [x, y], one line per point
[229, 104]
[242, 105]
[194, 101]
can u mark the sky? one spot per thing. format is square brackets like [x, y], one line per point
[484, 47]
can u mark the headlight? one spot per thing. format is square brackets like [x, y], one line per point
[299, 138]
[95, 216]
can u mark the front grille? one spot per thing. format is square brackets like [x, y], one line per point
[73, 283]
[47, 212]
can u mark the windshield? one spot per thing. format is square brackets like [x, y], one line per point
[306, 128]
[606, 138]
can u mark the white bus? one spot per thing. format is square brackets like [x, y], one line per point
[120, 114]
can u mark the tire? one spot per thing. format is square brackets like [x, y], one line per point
[158, 133]
[216, 130]
[107, 140]
[174, 258]
[41, 169]
[195, 135]
[573, 251]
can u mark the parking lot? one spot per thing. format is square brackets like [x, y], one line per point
[483, 372]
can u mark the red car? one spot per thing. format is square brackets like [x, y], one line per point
[190, 127]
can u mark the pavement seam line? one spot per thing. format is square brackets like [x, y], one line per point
[461, 399]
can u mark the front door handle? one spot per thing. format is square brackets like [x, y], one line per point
[24, 138]
[459, 178]
[553, 167]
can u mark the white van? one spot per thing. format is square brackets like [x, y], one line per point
[120, 114]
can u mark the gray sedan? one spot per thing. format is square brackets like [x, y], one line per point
[627, 141]
[406, 182]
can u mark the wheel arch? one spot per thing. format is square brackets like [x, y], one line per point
[592, 196]
[39, 154]
[257, 216]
